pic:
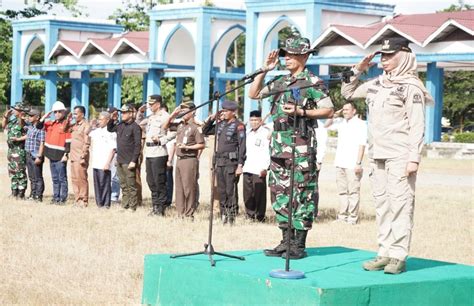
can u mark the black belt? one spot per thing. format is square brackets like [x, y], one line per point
[185, 157]
[152, 144]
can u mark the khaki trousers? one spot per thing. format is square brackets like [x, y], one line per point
[80, 186]
[348, 188]
[185, 181]
[394, 195]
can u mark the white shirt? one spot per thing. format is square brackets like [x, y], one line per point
[321, 139]
[258, 151]
[351, 135]
[153, 129]
[102, 143]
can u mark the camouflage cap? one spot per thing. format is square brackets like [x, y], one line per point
[296, 45]
[21, 107]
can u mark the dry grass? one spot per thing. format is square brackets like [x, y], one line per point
[66, 255]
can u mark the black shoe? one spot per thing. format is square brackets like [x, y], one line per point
[224, 219]
[38, 198]
[21, 194]
[53, 202]
[297, 247]
[14, 193]
[281, 248]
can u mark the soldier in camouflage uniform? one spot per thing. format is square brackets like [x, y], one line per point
[311, 103]
[13, 122]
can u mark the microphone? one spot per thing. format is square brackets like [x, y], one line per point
[253, 74]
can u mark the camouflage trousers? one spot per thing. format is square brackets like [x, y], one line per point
[303, 197]
[17, 167]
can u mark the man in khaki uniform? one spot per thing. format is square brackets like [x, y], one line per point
[396, 102]
[79, 155]
[189, 140]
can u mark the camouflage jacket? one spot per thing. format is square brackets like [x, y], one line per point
[310, 98]
[15, 129]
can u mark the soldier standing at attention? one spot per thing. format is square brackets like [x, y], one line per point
[189, 141]
[396, 102]
[314, 103]
[230, 157]
[16, 136]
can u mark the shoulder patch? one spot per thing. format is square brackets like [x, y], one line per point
[241, 127]
[417, 98]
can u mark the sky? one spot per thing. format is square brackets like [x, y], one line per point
[105, 8]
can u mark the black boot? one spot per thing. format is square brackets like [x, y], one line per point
[281, 248]
[21, 194]
[14, 193]
[297, 248]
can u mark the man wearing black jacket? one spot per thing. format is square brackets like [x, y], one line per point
[128, 152]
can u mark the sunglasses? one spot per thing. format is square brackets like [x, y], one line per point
[58, 111]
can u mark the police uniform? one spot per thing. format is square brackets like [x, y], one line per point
[16, 155]
[305, 179]
[230, 153]
[395, 135]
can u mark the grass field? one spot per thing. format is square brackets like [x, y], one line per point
[66, 255]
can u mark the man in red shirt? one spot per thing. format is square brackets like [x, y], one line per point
[56, 149]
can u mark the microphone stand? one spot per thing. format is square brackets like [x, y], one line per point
[208, 247]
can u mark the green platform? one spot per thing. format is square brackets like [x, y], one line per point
[333, 277]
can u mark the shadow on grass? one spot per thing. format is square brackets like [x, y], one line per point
[326, 215]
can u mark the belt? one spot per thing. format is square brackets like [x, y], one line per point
[185, 157]
[152, 144]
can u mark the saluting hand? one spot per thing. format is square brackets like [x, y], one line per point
[365, 63]
[272, 60]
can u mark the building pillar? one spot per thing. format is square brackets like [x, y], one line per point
[179, 84]
[144, 87]
[203, 64]
[110, 90]
[153, 82]
[51, 89]
[85, 85]
[117, 101]
[433, 114]
[16, 90]
[219, 86]
[75, 93]
[250, 58]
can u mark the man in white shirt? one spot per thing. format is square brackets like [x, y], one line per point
[255, 168]
[104, 144]
[352, 138]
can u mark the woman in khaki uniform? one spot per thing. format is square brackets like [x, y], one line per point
[396, 102]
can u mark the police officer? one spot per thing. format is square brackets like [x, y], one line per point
[156, 153]
[396, 101]
[14, 122]
[230, 157]
[313, 103]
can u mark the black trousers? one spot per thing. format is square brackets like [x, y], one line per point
[255, 196]
[156, 179]
[35, 174]
[102, 187]
[227, 188]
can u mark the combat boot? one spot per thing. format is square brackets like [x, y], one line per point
[297, 248]
[395, 266]
[21, 194]
[14, 193]
[281, 248]
[376, 264]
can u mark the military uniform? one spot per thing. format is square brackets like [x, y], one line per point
[305, 182]
[16, 157]
[309, 95]
[230, 153]
[395, 135]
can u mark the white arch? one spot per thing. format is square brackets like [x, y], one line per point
[182, 44]
[219, 52]
[31, 47]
